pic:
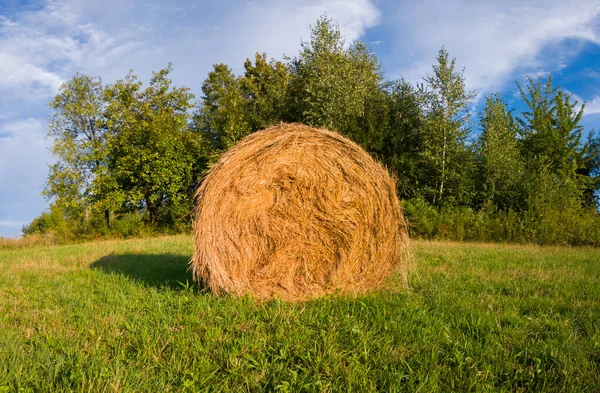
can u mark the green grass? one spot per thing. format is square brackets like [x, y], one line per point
[113, 316]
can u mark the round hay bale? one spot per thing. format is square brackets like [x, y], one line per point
[297, 212]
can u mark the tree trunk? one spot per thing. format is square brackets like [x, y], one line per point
[152, 210]
[444, 147]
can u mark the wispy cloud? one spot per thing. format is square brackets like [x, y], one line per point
[493, 40]
[592, 107]
[43, 47]
[496, 41]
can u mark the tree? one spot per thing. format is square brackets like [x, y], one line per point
[401, 137]
[591, 170]
[265, 89]
[552, 139]
[223, 117]
[152, 159]
[332, 85]
[501, 164]
[550, 129]
[446, 153]
[77, 134]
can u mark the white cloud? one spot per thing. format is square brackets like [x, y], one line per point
[496, 41]
[491, 39]
[277, 27]
[592, 107]
[43, 48]
[23, 75]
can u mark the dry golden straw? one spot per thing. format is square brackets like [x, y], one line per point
[296, 212]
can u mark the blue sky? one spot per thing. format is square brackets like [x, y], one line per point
[43, 43]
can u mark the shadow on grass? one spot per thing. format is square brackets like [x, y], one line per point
[157, 270]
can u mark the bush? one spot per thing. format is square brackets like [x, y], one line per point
[547, 224]
[54, 225]
[130, 225]
[51, 223]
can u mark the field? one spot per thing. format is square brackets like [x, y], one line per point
[120, 316]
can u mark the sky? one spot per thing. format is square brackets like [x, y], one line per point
[43, 43]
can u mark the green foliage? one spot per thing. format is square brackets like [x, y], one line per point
[122, 315]
[49, 222]
[129, 157]
[552, 139]
[265, 88]
[57, 227]
[445, 154]
[130, 225]
[332, 85]
[401, 141]
[152, 160]
[591, 171]
[550, 127]
[546, 223]
[77, 134]
[122, 151]
[222, 117]
[461, 223]
[502, 166]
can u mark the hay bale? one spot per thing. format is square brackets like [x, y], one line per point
[297, 212]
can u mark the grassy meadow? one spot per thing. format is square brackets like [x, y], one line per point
[122, 316]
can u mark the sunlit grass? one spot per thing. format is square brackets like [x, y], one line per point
[124, 316]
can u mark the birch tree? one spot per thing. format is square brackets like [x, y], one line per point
[446, 104]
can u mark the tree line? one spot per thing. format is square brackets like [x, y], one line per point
[129, 157]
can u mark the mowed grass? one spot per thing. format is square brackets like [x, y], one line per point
[119, 316]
